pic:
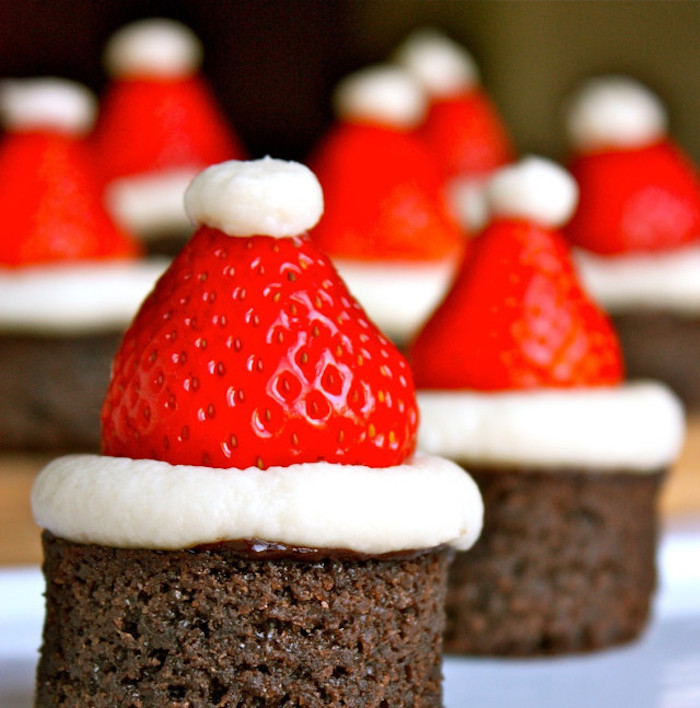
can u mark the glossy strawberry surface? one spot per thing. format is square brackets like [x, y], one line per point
[150, 125]
[384, 197]
[251, 351]
[466, 135]
[646, 199]
[51, 203]
[516, 318]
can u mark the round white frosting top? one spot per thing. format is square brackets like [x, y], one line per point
[386, 95]
[47, 104]
[264, 197]
[155, 47]
[637, 427]
[120, 502]
[534, 189]
[442, 66]
[614, 112]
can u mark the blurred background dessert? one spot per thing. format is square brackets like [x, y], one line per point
[70, 278]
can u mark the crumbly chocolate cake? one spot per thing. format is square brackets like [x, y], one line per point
[217, 627]
[51, 390]
[565, 563]
[664, 346]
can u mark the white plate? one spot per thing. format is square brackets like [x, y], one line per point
[662, 670]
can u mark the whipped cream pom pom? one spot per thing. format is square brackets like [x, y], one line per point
[153, 47]
[47, 103]
[614, 112]
[442, 66]
[382, 94]
[265, 197]
[535, 189]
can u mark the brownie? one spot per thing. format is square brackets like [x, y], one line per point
[217, 627]
[663, 346]
[51, 390]
[565, 563]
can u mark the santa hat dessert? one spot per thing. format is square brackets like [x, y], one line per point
[462, 125]
[159, 125]
[386, 226]
[70, 280]
[637, 228]
[259, 529]
[520, 380]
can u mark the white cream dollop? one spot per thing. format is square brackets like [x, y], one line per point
[442, 66]
[637, 427]
[614, 112]
[121, 502]
[533, 188]
[155, 47]
[47, 103]
[386, 95]
[264, 197]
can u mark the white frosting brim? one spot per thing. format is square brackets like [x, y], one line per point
[75, 298]
[637, 427]
[121, 502]
[151, 204]
[398, 298]
[668, 281]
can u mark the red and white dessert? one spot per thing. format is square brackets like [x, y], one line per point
[159, 125]
[386, 226]
[70, 278]
[637, 228]
[253, 405]
[462, 126]
[520, 379]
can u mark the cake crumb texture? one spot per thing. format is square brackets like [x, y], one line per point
[134, 627]
[565, 563]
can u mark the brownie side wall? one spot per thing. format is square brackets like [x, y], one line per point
[210, 628]
[565, 563]
[663, 346]
[51, 390]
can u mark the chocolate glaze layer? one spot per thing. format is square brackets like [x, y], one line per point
[255, 549]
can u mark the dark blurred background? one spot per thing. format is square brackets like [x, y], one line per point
[273, 63]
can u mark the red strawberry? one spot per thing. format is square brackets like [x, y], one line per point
[52, 203]
[466, 134]
[385, 197]
[148, 125]
[250, 351]
[158, 113]
[516, 318]
[641, 199]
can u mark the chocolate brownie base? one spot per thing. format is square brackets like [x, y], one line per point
[662, 346]
[215, 628]
[565, 563]
[51, 390]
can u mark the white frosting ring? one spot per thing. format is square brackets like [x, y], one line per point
[636, 428]
[75, 298]
[127, 503]
[649, 281]
[398, 297]
[151, 204]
